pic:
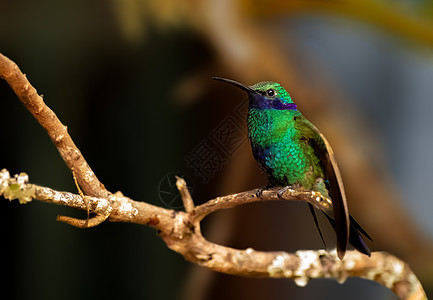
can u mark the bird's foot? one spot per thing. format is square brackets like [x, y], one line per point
[259, 192]
[283, 190]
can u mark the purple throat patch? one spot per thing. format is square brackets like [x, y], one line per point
[282, 106]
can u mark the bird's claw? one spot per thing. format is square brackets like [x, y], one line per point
[259, 192]
[282, 191]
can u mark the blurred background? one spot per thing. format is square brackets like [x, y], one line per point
[132, 81]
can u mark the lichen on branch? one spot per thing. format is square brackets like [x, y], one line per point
[16, 187]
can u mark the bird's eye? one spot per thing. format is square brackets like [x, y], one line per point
[270, 92]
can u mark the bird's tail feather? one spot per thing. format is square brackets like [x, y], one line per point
[355, 238]
[313, 213]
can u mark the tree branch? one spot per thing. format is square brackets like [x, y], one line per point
[58, 132]
[83, 174]
[181, 230]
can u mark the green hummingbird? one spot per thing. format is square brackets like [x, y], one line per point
[293, 153]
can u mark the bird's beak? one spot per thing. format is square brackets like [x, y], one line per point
[235, 83]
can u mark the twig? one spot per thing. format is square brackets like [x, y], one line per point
[184, 193]
[181, 230]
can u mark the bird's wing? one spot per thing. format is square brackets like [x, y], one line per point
[336, 189]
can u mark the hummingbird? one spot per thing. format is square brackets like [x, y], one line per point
[293, 153]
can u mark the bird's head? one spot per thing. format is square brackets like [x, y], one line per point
[265, 95]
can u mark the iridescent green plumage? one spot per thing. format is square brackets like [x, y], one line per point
[292, 152]
[285, 156]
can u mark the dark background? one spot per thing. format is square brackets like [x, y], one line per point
[131, 80]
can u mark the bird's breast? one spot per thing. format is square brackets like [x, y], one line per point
[280, 150]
